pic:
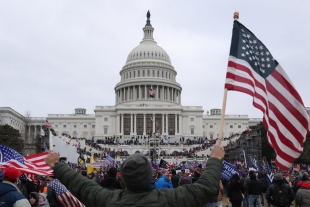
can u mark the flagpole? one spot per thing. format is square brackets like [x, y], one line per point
[236, 17]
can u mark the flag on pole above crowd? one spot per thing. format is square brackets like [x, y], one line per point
[254, 71]
[33, 164]
[251, 162]
[152, 92]
[48, 124]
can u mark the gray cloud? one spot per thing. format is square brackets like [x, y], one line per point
[56, 56]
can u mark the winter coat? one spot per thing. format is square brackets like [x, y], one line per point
[10, 196]
[45, 202]
[254, 187]
[271, 191]
[163, 182]
[302, 197]
[235, 190]
[110, 183]
[175, 181]
[197, 194]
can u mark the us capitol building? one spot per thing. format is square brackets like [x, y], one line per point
[148, 71]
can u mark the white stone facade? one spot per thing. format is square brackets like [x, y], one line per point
[148, 69]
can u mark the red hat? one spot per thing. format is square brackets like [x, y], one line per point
[11, 174]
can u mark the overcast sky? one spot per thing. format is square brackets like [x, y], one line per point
[56, 56]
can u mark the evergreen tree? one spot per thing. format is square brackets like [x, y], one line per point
[11, 137]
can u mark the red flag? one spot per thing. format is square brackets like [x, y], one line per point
[253, 70]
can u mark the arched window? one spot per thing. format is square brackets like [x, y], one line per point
[162, 74]
[158, 73]
[130, 74]
[138, 73]
[153, 73]
[166, 75]
[148, 73]
[127, 75]
[143, 74]
[169, 75]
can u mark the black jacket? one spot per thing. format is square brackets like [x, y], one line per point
[272, 189]
[254, 188]
[111, 183]
[175, 181]
[235, 190]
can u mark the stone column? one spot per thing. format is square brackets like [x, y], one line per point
[135, 128]
[168, 91]
[131, 121]
[180, 124]
[122, 128]
[167, 130]
[123, 94]
[145, 94]
[117, 124]
[162, 123]
[179, 97]
[175, 124]
[156, 95]
[144, 124]
[134, 93]
[139, 91]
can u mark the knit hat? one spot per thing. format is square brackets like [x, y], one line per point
[136, 172]
[278, 176]
[185, 180]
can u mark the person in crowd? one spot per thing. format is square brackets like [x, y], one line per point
[302, 197]
[174, 178]
[9, 193]
[185, 180]
[279, 193]
[51, 191]
[220, 196]
[110, 182]
[164, 181]
[137, 173]
[34, 199]
[43, 200]
[196, 176]
[246, 182]
[235, 190]
[254, 190]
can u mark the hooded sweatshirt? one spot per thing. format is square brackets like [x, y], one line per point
[45, 202]
[36, 196]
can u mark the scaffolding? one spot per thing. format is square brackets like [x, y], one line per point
[249, 142]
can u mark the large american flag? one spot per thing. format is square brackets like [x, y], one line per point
[253, 70]
[63, 196]
[33, 164]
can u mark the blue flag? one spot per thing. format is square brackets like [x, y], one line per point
[111, 159]
[229, 170]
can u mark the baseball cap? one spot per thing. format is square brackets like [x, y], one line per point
[11, 174]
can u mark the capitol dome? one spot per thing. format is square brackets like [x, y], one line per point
[148, 48]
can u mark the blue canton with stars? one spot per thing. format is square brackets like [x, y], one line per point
[246, 46]
[6, 154]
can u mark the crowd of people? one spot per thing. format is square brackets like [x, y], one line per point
[135, 183]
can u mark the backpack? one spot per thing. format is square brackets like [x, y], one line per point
[281, 195]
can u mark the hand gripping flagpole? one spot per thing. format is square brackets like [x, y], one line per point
[236, 17]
